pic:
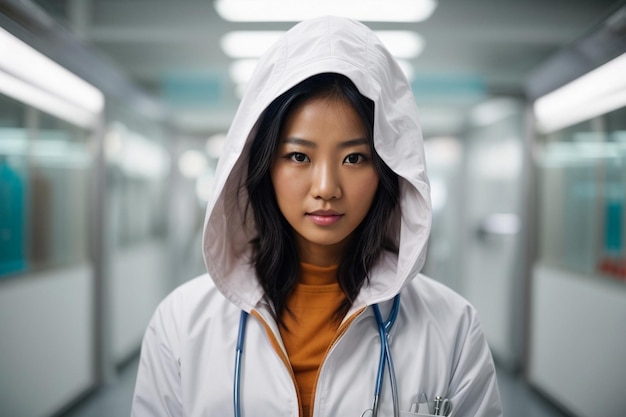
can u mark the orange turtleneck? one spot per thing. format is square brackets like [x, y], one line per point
[311, 327]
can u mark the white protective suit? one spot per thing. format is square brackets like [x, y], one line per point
[438, 347]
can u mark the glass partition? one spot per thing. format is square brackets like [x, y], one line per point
[44, 190]
[582, 195]
[138, 166]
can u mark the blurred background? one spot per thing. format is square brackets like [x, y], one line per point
[113, 114]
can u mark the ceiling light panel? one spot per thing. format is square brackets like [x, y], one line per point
[252, 44]
[45, 101]
[595, 93]
[297, 10]
[248, 44]
[402, 43]
[22, 61]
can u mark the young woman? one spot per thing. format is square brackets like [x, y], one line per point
[313, 304]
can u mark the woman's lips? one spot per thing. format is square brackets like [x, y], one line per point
[324, 218]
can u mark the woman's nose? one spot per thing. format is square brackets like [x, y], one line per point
[326, 183]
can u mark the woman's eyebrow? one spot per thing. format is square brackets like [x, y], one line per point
[353, 142]
[346, 144]
[299, 141]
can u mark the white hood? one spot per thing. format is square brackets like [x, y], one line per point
[328, 44]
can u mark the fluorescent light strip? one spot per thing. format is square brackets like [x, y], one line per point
[252, 44]
[294, 11]
[401, 43]
[24, 62]
[595, 93]
[45, 101]
[248, 44]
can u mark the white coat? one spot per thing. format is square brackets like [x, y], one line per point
[438, 347]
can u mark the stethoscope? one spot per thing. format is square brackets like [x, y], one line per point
[384, 327]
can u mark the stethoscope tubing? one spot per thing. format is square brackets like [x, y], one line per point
[384, 327]
[238, 355]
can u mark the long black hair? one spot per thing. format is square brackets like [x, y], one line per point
[274, 256]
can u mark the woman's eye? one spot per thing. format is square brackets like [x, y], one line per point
[354, 158]
[298, 157]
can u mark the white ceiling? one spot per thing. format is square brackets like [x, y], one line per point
[473, 49]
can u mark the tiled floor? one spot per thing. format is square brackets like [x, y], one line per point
[111, 401]
[518, 399]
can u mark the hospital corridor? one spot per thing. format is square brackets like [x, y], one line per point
[114, 115]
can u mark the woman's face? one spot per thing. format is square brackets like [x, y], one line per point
[324, 177]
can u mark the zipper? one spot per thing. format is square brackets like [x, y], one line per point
[340, 332]
[281, 354]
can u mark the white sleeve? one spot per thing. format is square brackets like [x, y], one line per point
[474, 387]
[158, 387]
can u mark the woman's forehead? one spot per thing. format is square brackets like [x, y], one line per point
[324, 117]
